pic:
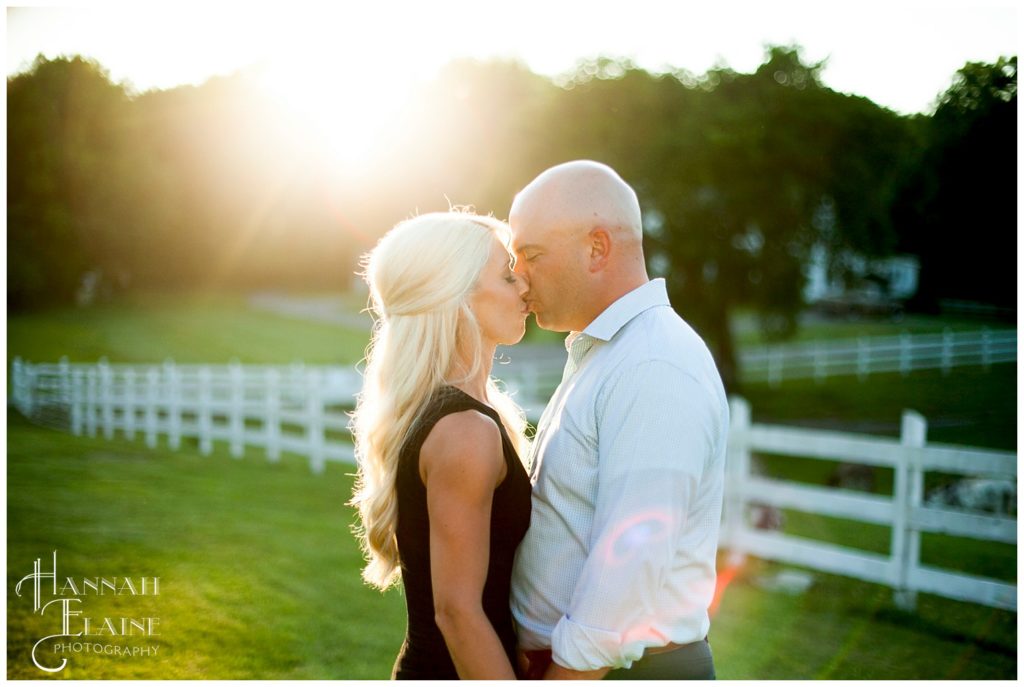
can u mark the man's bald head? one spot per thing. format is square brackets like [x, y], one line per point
[578, 242]
[581, 195]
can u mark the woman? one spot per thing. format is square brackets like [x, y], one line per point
[443, 497]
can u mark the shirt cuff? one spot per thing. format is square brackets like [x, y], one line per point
[580, 647]
[529, 635]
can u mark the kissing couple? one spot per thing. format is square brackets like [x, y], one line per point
[588, 552]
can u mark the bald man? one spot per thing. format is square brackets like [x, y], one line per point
[617, 571]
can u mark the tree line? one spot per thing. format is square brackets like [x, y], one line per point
[739, 176]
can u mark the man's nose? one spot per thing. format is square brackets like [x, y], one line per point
[519, 267]
[524, 285]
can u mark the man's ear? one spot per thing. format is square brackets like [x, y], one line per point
[600, 244]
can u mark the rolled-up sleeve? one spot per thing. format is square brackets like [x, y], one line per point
[656, 429]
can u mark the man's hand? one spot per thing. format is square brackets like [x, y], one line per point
[532, 664]
[557, 672]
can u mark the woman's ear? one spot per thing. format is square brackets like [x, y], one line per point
[600, 244]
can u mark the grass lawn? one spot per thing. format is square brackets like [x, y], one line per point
[814, 327]
[190, 328]
[259, 578]
[844, 629]
[969, 406]
[259, 573]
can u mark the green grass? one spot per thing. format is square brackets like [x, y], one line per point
[259, 579]
[847, 629]
[748, 333]
[190, 328]
[968, 406]
[259, 574]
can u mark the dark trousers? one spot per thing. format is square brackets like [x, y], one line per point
[688, 662]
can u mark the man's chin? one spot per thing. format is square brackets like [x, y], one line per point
[547, 324]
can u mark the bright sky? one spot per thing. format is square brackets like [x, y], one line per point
[899, 53]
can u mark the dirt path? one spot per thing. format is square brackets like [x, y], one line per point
[330, 309]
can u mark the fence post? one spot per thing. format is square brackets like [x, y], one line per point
[204, 412]
[152, 395]
[128, 407]
[65, 380]
[236, 423]
[272, 423]
[107, 398]
[172, 385]
[986, 349]
[17, 371]
[904, 354]
[908, 495]
[91, 393]
[737, 469]
[315, 420]
[24, 387]
[77, 401]
[947, 350]
[65, 387]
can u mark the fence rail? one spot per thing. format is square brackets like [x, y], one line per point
[904, 512]
[300, 409]
[904, 353]
[294, 408]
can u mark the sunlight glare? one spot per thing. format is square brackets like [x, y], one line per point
[343, 109]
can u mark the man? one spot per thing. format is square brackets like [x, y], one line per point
[617, 570]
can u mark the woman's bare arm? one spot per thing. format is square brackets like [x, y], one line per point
[461, 463]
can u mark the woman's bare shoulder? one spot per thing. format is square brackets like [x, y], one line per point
[467, 443]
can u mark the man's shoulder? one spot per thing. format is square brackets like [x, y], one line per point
[660, 334]
[660, 348]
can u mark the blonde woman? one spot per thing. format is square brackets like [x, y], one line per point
[443, 497]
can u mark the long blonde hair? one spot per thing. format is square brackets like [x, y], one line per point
[420, 275]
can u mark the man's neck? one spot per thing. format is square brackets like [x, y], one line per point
[612, 294]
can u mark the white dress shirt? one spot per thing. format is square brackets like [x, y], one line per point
[628, 471]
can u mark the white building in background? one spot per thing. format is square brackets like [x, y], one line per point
[892, 278]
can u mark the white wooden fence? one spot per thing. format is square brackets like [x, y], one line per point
[300, 409]
[904, 512]
[294, 408]
[904, 353]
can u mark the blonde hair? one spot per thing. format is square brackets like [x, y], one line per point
[420, 275]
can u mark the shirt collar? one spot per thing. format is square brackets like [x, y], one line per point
[619, 313]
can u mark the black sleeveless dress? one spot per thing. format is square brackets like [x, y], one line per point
[424, 654]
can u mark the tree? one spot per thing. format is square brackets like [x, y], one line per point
[960, 206]
[739, 175]
[65, 122]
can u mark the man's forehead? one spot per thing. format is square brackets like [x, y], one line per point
[527, 233]
[520, 246]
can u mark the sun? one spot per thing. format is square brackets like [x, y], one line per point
[346, 110]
